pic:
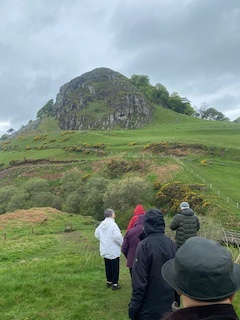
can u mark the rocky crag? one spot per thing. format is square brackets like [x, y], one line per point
[101, 99]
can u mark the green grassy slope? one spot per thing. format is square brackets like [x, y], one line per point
[47, 273]
[221, 169]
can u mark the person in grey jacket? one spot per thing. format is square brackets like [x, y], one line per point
[185, 223]
[110, 238]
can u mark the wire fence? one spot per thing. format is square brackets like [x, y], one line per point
[218, 192]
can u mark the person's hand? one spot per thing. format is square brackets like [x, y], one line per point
[131, 315]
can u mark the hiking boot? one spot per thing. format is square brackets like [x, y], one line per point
[109, 284]
[116, 286]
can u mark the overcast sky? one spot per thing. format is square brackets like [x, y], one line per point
[192, 47]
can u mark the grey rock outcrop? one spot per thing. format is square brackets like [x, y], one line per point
[101, 99]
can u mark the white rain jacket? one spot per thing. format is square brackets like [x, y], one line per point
[110, 237]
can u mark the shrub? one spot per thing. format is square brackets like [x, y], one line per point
[93, 204]
[127, 193]
[117, 168]
[41, 199]
[71, 180]
[157, 185]
[18, 201]
[36, 185]
[57, 202]
[5, 196]
[72, 203]
[13, 162]
[172, 194]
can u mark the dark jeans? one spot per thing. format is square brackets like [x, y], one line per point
[112, 270]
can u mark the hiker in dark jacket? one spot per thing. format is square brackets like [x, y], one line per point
[131, 240]
[152, 296]
[185, 223]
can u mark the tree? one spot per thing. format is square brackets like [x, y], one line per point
[180, 105]
[42, 199]
[4, 137]
[71, 181]
[199, 112]
[18, 201]
[6, 193]
[213, 114]
[237, 120]
[160, 94]
[36, 185]
[73, 202]
[209, 113]
[140, 81]
[127, 193]
[94, 190]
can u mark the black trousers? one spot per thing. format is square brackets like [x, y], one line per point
[112, 269]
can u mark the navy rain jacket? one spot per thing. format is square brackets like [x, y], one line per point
[152, 297]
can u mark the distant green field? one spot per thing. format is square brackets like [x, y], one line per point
[218, 167]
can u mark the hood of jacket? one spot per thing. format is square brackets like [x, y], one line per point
[139, 221]
[106, 222]
[139, 210]
[153, 222]
[187, 212]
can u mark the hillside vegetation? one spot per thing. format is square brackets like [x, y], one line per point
[203, 156]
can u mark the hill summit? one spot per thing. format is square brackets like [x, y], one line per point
[101, 99]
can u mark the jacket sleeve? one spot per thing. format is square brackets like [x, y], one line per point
[96, 233]
[125, 245]
[139, 281]
[117, 235]
[175, 222]
[130, 224]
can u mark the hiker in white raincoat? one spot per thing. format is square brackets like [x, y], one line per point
[111, 239]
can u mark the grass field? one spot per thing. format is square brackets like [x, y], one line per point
[47, 273]
[51, 274]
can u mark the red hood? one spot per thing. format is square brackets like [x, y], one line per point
[139, 210]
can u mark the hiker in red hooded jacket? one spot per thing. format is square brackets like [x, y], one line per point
[137, 211]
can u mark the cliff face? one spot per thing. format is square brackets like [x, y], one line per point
[101, 99]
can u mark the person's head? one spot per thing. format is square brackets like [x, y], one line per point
[109, 213]
[203, 270]
[139, 210]
[153, 221]
[184, 205]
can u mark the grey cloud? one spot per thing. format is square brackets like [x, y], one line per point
[193, 39]
[227, 103]
[190, 46]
